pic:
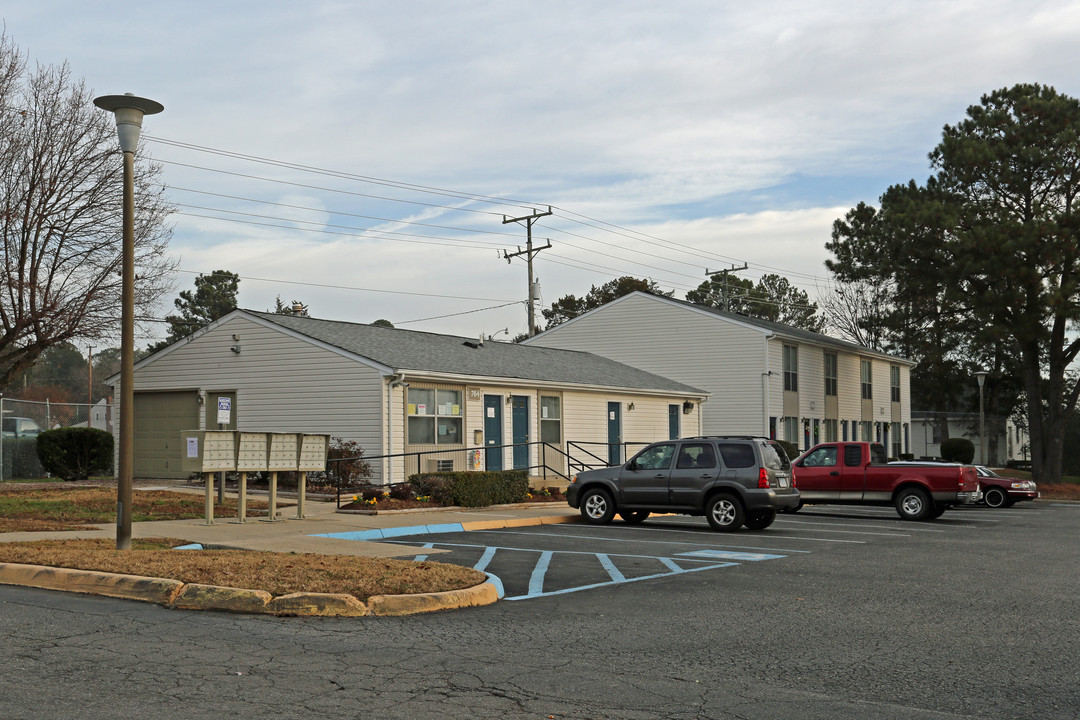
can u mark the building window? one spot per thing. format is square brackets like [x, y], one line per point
[550, 420]
[894, 437]
[791, 430]
[894, 382]
[830, 374]
[867, 380]
[866, 431]
[830, 431]
[434, 417]
[791, 368]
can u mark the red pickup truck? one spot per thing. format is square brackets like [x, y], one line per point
[857, 473]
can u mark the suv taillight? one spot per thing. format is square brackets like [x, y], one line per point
[763, 478]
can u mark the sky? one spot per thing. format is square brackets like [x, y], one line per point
[362, 157]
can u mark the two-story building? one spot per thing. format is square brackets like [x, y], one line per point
[430, 401]
[764, 377]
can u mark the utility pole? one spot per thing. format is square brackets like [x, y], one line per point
[727, 301]
[529, 252]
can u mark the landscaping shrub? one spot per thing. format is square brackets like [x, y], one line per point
[472, 489]
[75, 453]
[959, 450]
[790, 448]
[21, 459]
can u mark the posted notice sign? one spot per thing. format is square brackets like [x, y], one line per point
[224, 410]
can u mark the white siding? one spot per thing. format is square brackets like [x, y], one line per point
[682, 344]
[282, 383]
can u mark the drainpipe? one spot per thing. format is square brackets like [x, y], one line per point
[765, 387]
[395, 381]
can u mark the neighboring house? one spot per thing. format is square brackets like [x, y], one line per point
[1012, 446]
[763, 377]
[400, 391]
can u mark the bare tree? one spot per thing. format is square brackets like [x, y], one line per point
[61, 214]
[853, 310]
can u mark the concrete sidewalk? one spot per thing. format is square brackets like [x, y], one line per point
[290, 534]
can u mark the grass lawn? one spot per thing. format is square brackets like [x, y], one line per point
[277, 573]
[74, 508]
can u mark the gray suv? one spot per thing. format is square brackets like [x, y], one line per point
[731, 480]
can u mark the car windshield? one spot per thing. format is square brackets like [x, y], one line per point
[774, 457]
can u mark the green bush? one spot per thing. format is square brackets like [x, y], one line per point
[959, 450]
[473, 489]
[790, 448]
[21, 459]
[75, 453]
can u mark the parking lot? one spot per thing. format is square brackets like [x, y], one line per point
[530, 563]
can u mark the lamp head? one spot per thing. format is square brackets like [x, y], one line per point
[129, 111]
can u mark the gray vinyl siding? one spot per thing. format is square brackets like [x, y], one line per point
[282, 383]
[680, 344]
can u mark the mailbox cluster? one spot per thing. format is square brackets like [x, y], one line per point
[212, 451]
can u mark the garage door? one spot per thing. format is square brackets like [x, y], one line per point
[159, 419]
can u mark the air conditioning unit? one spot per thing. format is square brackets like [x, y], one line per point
[436, 465]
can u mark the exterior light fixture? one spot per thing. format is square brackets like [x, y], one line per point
[129, 111]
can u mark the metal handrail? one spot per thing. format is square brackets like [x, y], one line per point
[333, 464]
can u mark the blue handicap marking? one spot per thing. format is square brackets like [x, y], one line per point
[730, 555]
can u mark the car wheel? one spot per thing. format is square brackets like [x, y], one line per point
[913, 504]
[760, 519]
[725, 512]
[996, 498]
[635, 517]
[597, 507]
[939, 510]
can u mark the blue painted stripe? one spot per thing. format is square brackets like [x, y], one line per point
[728, 555]
[485, 559]
[610, 567]
[536, 581]
[670, 564]
[606, 584]
[394, 532]
[422, 558]
[494, 580]
[192, 546]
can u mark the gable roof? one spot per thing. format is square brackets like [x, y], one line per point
[416, 351]
[766, 326]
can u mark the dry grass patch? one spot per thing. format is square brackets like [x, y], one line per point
[74, 508]
[277, 573]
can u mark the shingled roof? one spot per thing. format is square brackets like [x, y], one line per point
[433, 353]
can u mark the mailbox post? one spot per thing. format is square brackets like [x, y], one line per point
[207, 452]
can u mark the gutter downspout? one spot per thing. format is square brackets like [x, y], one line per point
[396, 380]
[765, 387]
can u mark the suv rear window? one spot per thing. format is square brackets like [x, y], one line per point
[774, 457]
[737, 455]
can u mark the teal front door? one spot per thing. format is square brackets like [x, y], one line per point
[519, 420]
[493, 452]
[614, 433]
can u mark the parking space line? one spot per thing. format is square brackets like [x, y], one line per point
[485, 560]
[610, 567]
[536, 580]
[422, 558]
[661, 542]
[728, 555]
[565, 591]
[786, 521]
[704, 560]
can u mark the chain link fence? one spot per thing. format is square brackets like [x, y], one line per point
[23, 420]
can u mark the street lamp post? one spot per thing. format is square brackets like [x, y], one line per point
[129, 111]
[981, 377]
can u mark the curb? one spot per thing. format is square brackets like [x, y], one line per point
[406, 530]
[193, 596]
